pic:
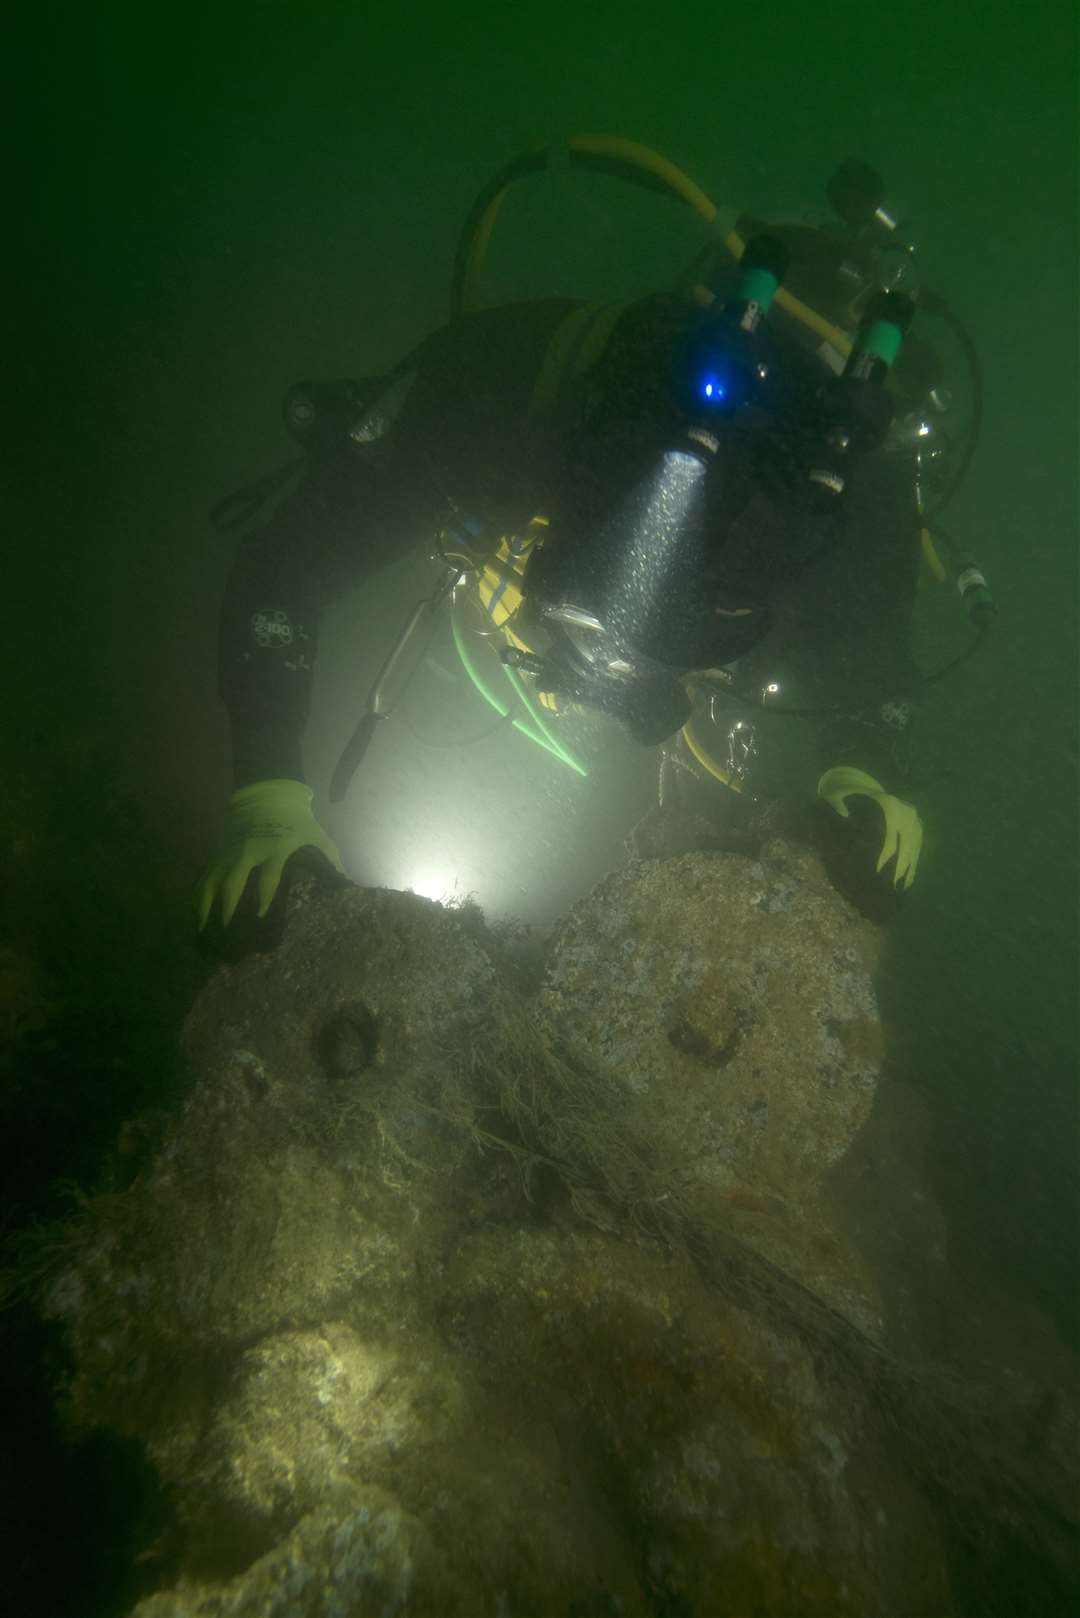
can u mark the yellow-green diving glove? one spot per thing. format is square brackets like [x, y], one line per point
[269, 821]
[903, 828]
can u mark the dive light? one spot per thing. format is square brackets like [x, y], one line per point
[855, 410]
[718, 368]
[974, 591]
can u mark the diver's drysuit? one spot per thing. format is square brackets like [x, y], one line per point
[772, 581]
[782, 587]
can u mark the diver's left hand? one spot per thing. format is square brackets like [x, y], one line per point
[903, 828]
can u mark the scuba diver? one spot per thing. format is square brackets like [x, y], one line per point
[678, 511]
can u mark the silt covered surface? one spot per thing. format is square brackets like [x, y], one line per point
[447, 1291]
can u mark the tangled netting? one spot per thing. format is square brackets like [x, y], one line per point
[504, 1089]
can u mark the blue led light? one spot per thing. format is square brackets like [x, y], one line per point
[712, 389]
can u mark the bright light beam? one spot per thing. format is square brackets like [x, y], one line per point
[662, 515]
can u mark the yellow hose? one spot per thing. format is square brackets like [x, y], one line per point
[706, 761]
[650, 162]
[795, 307]
[631, 152]
[481, 241]
[931, 557]
[641, 157]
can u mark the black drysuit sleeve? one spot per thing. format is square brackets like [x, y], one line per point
[351, 514]
[360, 505]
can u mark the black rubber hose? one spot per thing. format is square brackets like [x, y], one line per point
[936, 305]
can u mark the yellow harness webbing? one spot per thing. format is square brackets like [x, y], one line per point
[578, 343]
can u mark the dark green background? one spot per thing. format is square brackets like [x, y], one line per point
[205, 205]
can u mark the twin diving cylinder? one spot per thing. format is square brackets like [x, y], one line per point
[722, 368]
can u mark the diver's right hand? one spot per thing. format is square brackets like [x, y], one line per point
[269, 822]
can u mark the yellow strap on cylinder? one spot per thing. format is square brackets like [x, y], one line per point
[552, 371]
[596, 340]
